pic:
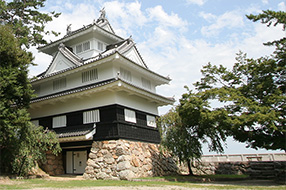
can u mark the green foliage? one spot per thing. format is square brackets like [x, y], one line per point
[21, 143]
[252, 93]
[191, 124]
[26, 21]
[248, 103]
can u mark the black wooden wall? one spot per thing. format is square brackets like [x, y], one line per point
[112, 124]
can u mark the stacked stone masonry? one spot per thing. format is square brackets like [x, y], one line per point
[123, 160]
[274, 170]
[53, 164]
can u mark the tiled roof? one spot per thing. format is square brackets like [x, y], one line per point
[74, 131]
[72, 91]
[101, 25]
[120, 48]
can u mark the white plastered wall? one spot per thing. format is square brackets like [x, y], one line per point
[92, 101]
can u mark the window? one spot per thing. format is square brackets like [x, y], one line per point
[82, 47]
[59, 121]
[37, 89]
[59, 84]
[78, 48]
[100, 46]
[91, 116]
[89, 75]
[146, 83]
[125, 74]
[86, 46]
[151, 121]
[130, 115]
[35, 122]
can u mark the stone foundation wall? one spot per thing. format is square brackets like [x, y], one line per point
[212, 168]
[53, 164]
[123, 159]
[274, 170]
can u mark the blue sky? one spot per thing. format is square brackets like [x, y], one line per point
[175, 38]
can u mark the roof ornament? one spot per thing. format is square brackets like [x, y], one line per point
[102, 15]
[68, 29]
[129, 39]
[61, 45]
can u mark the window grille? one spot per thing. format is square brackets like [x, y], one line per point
[37, 89]
[91, 116]
[59, 84]
[151, 121]
[146, 83]
[100, 46]
[59, 121]
[89, 75]
[86, 46]
[125, 75]
[78, 48]
[130, 115]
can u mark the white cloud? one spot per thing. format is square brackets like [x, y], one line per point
[197, 2]
[232, 19]
[282, 6]
[207, 16]
[124, 17]
[157, 13]
[265, 2]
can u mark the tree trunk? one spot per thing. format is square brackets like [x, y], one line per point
[189, 167]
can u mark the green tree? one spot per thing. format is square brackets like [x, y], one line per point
[252, 93]
[26, 21]
[185, 128]
[248, 103]
[21, 143]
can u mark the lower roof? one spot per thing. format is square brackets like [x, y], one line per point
[115, 84]
[75, 133]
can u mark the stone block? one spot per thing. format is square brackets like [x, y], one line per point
[98, 159]
[123, 165]
[89, 170]
[126, 175]
[120, 151]
[102, 175]
[109, 160]
[123, 158]
[135, 162]
[92, 155]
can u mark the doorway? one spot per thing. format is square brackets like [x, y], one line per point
[76, 162]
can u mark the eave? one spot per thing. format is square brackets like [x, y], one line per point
[98, 60]
[114, 85]
[77, 33]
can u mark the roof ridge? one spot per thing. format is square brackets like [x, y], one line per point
[70, 55]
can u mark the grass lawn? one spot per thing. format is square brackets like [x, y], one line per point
[182, 181]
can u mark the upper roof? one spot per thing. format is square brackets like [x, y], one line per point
[101, 25]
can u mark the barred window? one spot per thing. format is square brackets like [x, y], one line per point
[151, 121]
[86, 46]
[100, 46]
[82, 47]
[91, 116]
[130, 115]
[78, 48]
[89, 75]
[146, 83]
[59, 84]
[59, 121]
[125, 75]
[37, 89]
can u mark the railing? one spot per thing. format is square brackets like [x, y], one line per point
[244, 157]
